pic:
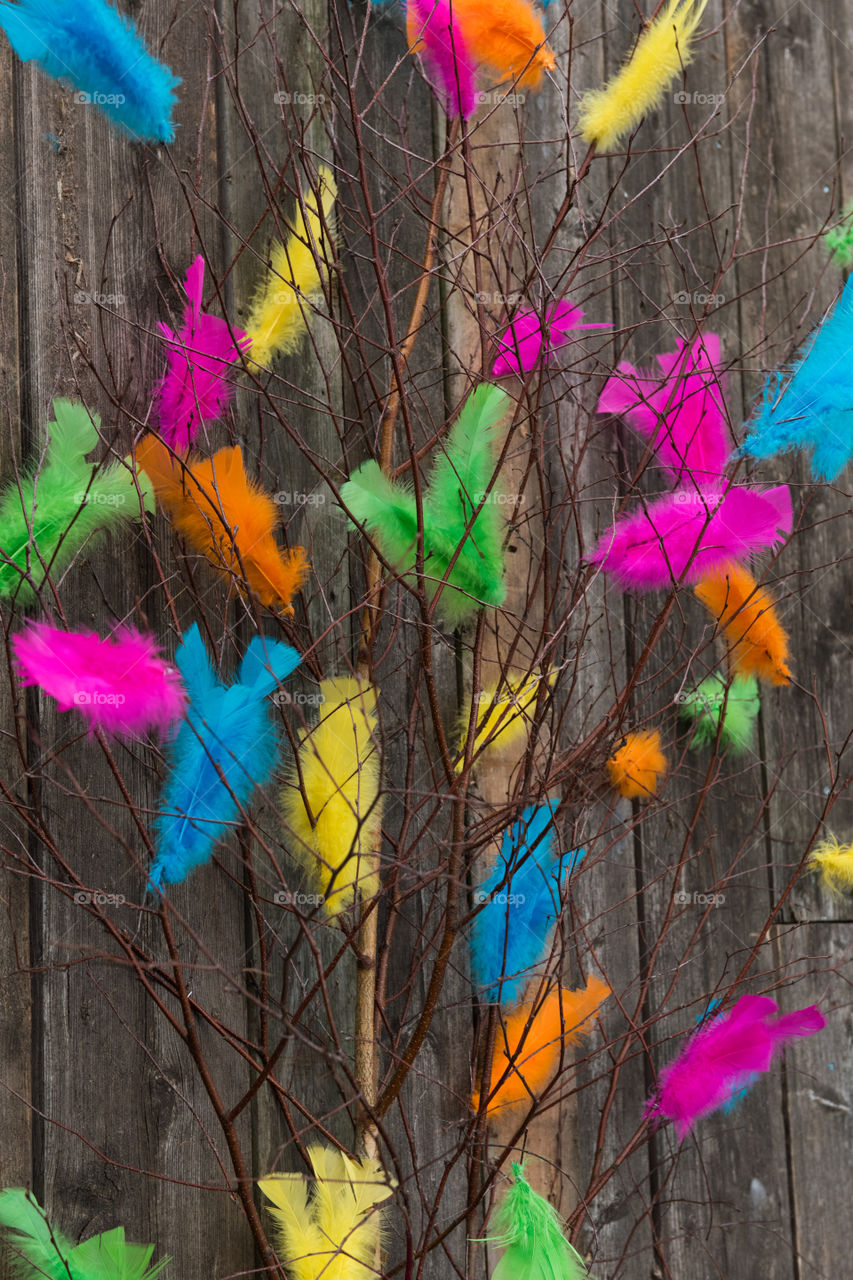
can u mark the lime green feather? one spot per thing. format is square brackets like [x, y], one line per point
[531, 1233]
[47, 517]
[707, 704]
[38, 1252]
[839, 242]
[458, 487]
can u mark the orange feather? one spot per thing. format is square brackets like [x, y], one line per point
[506, 36]
[529, 1056]
[745, 613]
[226, 517]
[638, 764]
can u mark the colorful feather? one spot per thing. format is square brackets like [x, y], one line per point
[527, 1057]
[462, 519]
[531, 1233]
[678, 408]
[839, 242]
[609, 115]
[334, 1233]
[298, 274]
[811, 405]
[225, 748]
[37, 1251]
[690, 533]
[719, 1058]
[504, 715]
[435, 33]
[331, 804]
[226, 517]
[48, 516]
[718, 707]
[637, 766]
[833, 862]
[506, 37]
[119, 684]
[529, 340]
[199, 359]
[746, 615]
[519, 902]
[91, 47]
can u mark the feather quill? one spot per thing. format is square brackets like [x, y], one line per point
[299, 271]
[91, 47]
[462, 520]
[729, 709]
[530, 1232]
[678, 408]
[746, 615]
[225, 749]
[507, 38]
[811, 405]
[687, 534]
[435, 32]
[333, 1233]
[49, 515]
[833, 862]
[331, 804]
[529, 340]
[195, 388]
[719, 1058]
[637, 766]
[119, 684]
[227, 518]
[504, 715]
[37, 1251]
[609, 115]
[519, 901]
[527, 1057]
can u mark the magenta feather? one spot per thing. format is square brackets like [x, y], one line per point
[445, 54]
[720, 1056]
[199, 359]
[119, 684]
[679, 408]
[690, 532]
[527, 340]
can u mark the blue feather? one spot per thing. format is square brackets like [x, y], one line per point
[227, 729]
[521, 901]
[813, 409]
[91, 47]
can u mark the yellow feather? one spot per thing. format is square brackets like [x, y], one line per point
[298, 272]
[335, 816]
[833, 862]
[503, 717]
[610, 114]
[336, 1234]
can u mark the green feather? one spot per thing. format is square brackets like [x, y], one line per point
[839, 242]
[47, 517]
[704, 707]
[456, 488]
[37, 1252]
[531, 1232]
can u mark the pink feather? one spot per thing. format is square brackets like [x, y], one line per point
[119, 684]
[719, 1057]
[195, 387]
[526, 340]
[445, 54]
[688, 533]
[679, 408]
